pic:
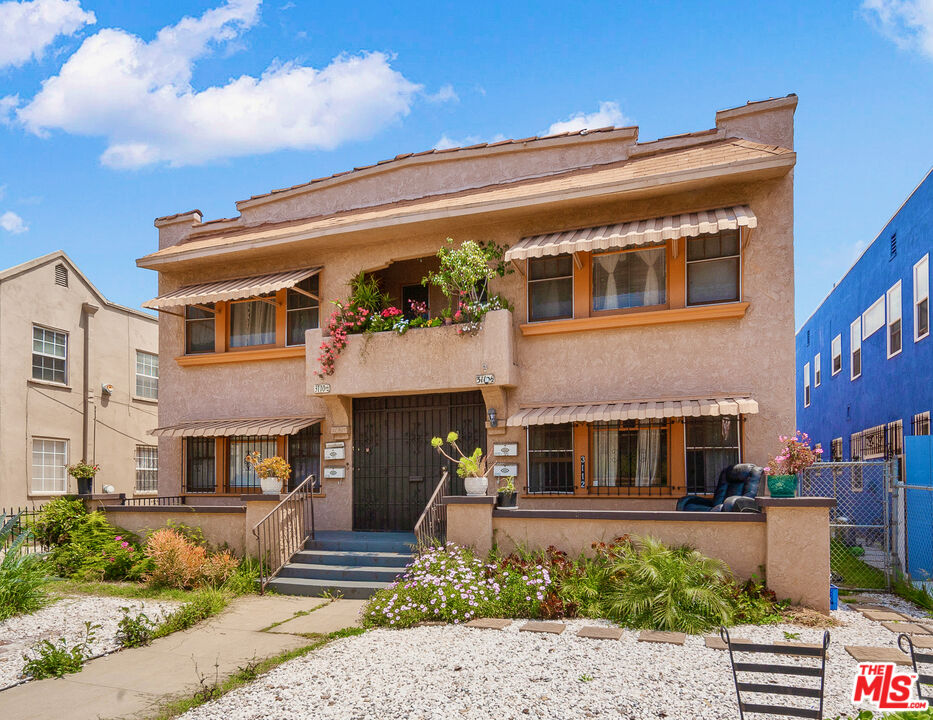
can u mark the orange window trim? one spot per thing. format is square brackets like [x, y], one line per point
[695, 313]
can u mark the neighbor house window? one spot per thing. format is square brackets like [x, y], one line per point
[147, 375]
[49, 355]
[922, 298]
[49, 465]
[304, 455]
[713, 268]
[629, 454]
[712, 444]
[550, 288]
[252, 322]
[856, 451]
[835, 450]
[894, 439]
[836, 352]
[200, 464]
[147, 469]
[199, 329]
[806, 385]
[629, 279]
[920, 425]
[550, 458]
[873, 318]
[302, 310]
[817, 374]
[894, 320]
[241, 475]
[855, 348]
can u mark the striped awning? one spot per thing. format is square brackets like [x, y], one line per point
[235, 289]
[635, 410]
[636, 232]
[243, 426]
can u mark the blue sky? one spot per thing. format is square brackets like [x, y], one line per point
[102, 129]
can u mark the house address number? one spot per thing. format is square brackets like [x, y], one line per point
[486, 379]
[322, 387]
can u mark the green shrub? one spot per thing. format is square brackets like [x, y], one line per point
[135, 630]
[245, 579]
[58, 519]
[22, 577]
[50, 659]
[96, 550]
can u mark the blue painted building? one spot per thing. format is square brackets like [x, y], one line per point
[865, 356]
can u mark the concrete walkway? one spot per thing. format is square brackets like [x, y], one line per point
[134, 683]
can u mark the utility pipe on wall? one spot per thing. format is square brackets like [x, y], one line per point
[88, 311]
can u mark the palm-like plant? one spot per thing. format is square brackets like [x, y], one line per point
[22, 576]
[669, 588]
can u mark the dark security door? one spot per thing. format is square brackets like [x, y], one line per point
[395, 469]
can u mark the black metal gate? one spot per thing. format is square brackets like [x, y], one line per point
[395, 468]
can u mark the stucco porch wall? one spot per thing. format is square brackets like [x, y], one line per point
[222, 526]
[790, 539]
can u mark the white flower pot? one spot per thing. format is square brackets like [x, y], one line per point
[475, 485]
[270, 485]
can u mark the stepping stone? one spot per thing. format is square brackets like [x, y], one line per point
[879, 615]
[554, 628]
[922, 641]
[489, 623]
[662, 636]
[430, 623]
[863, 653]
[907, 627]
[809, 646]
[868, 606]
[714, 642]
[600, 633]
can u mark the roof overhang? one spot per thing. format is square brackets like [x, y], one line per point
[243, 426]
[236, 289]
[632, 410]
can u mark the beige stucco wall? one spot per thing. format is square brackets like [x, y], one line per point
[221, 529]
[31, 408]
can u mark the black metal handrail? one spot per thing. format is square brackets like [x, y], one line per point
[284, 531]
[432, 525]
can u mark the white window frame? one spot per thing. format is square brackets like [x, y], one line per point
[836, 352]
[42, 354]
[921, 270]
[144, 467]
[895, 312]
[64, 467]
[873, 318]
[143, 395]
[855, 345]
[806, 385]
[817, 371]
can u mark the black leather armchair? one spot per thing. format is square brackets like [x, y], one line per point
[735, 492]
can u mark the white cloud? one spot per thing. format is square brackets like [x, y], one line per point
[446, 142]
[138, 95]
[608, 114]
[909, 23]
[28, 28]
[445, 94]
[12, 223]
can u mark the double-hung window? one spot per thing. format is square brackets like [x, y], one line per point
[302, 310]
[629, 279]
[550, 458]
[252, 322]
[628, 454]
[855, 348]
[199, 329]
[894, 320]
[49, 355]
[806, 385]
[712, 444]
[49, 465]
[836, 352]
[147, 375]
[922, 298]
[147, 468]
[550, 288]
[713, 268]
[817, 374]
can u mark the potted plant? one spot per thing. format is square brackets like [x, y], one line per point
[272, 471]
[784, 468]
[505, 495]
[84, 473]
[472, 468]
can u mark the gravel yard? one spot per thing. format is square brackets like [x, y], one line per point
[437, 673]
[66, 618]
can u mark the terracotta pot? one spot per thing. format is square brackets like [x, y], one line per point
[475, 485]
[270, 485]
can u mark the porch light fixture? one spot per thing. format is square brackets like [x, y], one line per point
[493, 421]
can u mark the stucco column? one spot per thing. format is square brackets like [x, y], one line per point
[87, 454]
[797, 564]
[469, 521]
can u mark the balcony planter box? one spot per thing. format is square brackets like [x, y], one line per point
[506, 499]
[782, 486]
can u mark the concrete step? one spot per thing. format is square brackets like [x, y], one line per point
[361, 573]
[362, 542]
[349, 589]
[349, 557]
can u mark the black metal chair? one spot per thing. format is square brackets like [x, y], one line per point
[925, 658]
[814, 671]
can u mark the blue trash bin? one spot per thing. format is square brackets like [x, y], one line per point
[833, 597]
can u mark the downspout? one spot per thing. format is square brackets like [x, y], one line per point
[88, 310]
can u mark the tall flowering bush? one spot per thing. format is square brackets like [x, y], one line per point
[795, 456]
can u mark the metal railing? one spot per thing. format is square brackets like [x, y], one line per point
[25, 517]
[155, 500]
[283, 532]
[432, 525]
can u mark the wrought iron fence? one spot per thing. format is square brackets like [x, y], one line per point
[155, 500]
[25, 519]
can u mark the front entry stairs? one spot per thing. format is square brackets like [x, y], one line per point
[353, 565]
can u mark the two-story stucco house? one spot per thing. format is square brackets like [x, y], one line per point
[649, 342]
[79, 380]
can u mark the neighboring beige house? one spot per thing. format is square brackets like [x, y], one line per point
[651, 341]
[79, 379]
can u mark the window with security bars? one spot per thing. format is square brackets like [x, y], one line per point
[628, 455]
[147, 375]
[304, 455]
[856, 453]
[835, 450]
[550, 458]
[712, 444]
[200, 465]
[49, 355]
[240, 473]
[147, 469]
[894, 440]
[873, 443]
[49, 465]
[920, 424]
